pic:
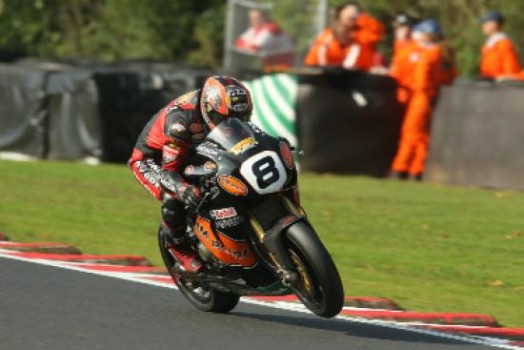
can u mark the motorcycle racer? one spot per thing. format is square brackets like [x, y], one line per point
[167, 142]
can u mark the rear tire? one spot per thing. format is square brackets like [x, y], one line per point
[319, 286]
[201, 295]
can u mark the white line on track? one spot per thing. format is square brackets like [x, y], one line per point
[139, 278]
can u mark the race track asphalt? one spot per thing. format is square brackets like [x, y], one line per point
[44, 307]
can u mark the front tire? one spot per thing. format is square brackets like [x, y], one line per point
[319, 286]
[199, 293]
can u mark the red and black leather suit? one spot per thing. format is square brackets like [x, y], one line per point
[160, 153]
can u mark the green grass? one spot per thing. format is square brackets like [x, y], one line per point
[429, 247]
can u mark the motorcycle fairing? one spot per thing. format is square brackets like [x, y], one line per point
[224, 248]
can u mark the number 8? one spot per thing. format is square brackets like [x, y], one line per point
[264, 172]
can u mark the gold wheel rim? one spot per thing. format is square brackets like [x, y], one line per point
[307, 284]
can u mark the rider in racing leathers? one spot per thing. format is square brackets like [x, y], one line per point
[168, 140]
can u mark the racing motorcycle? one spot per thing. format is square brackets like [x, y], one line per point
[251, 236]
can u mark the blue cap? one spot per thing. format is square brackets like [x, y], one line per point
[492, 16]
[429, 26]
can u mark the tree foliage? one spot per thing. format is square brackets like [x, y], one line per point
[193, 31]
[113, 29]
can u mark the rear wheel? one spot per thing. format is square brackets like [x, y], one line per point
[319, 286]
[201, 295]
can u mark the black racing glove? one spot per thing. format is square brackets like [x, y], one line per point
[174, 183]
[190, 195]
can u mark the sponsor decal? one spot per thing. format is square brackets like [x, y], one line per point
[243, 146]
[287, 155]
[153, 165]
[239, 107]
[152, 179]
[149, 170]
[224, 213]
[231, 222]
[167, 184]
[202, 228]
[178, 127]
[178, 130]
[206, 150]
[141, 166]
[210, 144]
[236, 99]
[222, 247]
[232, 185]
[241, 253]
[235, 92]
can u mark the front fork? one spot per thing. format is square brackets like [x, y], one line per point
[273, 240]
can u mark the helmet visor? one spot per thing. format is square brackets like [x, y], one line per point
[242, 114]
[214, 117]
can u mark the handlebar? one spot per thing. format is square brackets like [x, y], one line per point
[208, 188]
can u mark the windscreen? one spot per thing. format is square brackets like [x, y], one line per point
[230, 133]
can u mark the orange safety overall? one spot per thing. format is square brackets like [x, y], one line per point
[428, 75]
[499, 57]
[327, 50]
[370, 30]
[405, 57]
[518, 76]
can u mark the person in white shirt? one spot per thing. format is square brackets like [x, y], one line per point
[266, 39]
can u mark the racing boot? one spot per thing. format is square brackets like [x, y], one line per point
[181, 250]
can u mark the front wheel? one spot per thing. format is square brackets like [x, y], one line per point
[319, 286]
[199, 293]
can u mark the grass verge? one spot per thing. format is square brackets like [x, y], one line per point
[428, 247]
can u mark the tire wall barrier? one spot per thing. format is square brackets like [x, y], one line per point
[56, 111]
[128, 98]
[348, 122]
[345, 122]
[73, 118]
[23, 115]
[476, 135]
